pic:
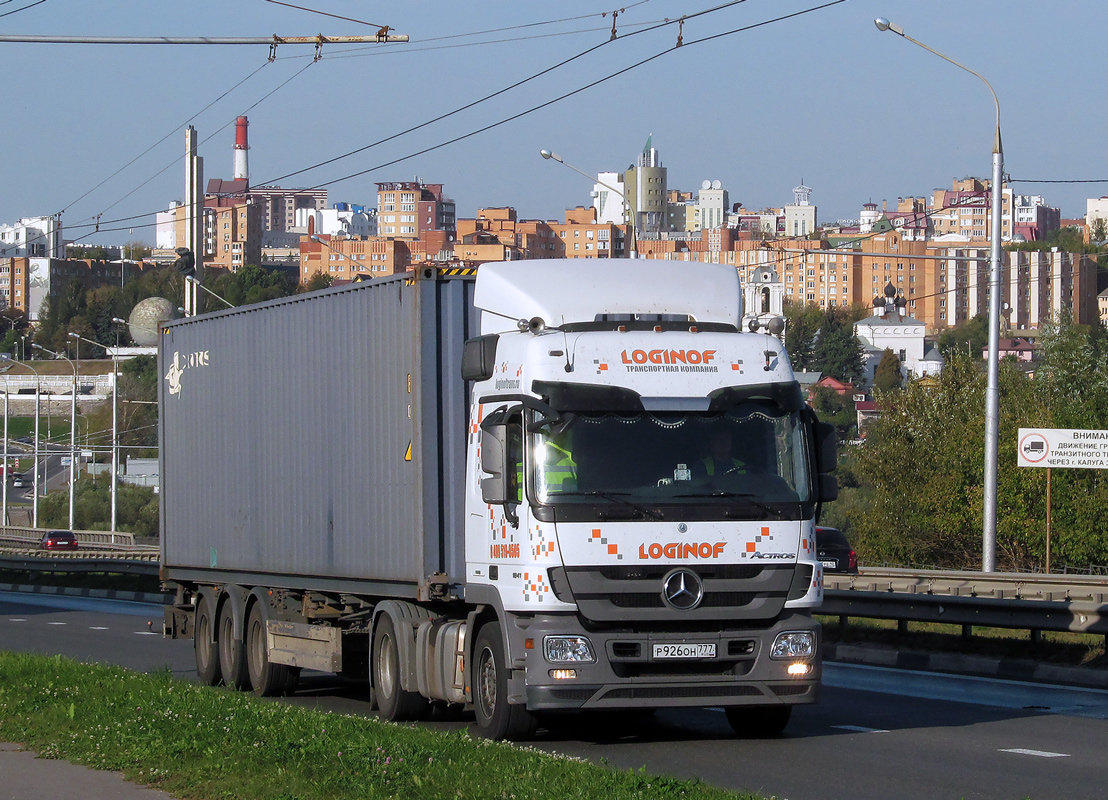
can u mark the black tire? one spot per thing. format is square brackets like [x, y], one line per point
[232, 659]
[758, 721]
[496, 718]
[395, 702]
[268, 680]
[203, 644]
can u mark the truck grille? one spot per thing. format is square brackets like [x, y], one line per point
[634, 593]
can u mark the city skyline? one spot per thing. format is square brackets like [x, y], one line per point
[824, 97]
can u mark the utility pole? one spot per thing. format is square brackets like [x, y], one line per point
[194, 216]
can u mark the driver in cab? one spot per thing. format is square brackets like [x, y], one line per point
[719, 460]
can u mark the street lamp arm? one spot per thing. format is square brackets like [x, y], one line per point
[884, 25]
[209, 291]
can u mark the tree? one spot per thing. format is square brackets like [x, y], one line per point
[920, 473]
[801, 325]
[253, 284]
[838, 352]
[320, 280]
[970, 337]
[136, 251]
[835, 409]
[887, 377]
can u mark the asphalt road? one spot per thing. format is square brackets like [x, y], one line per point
[876, 733]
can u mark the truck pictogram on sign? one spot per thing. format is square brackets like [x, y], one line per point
[1034, 447]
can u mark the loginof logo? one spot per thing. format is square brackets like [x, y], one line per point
[181, 363]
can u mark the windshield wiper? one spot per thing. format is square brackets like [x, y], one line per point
[618, 498]
[749, 498]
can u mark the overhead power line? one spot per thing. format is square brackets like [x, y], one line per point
[223, 40]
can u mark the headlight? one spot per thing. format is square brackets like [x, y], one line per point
[565, 649]
[793, 644]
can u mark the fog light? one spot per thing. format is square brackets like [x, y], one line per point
[800, 668]
[563, 649]
[793, 644]
[563, 674]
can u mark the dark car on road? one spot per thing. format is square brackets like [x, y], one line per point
[834, 551]
[58, 540]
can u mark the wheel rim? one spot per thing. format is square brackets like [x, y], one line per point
[486, 682]
[202, 638]
[256, 650]
[386, 680]
[226, 638]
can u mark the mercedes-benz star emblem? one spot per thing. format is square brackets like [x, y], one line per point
[682, 589]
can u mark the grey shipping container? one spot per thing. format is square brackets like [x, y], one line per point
[319, 440]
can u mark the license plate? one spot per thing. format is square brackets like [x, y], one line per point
[830, 564]
[685, 650]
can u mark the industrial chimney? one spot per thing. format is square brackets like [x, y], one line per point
[242, 170]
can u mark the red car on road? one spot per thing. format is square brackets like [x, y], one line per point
[58, 540]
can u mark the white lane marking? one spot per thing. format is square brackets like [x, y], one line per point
[145, 633]
[1040, 753]
[17, 620]
[55, 623]
[859, 729]
[97, 628]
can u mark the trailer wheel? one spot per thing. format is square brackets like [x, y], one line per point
[758, 721]
[203, 644]
[396, 703]
[496, 718]
[232, 663]
[268, 680]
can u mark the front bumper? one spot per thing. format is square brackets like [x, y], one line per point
[625, 675]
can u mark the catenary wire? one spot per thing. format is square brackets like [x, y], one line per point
[486, 98]
[171, 133]
[17, 10]
[569, 94]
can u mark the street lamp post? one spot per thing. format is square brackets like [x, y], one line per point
[547, 154]
[34, 483]
[72, 430]
[992, 390]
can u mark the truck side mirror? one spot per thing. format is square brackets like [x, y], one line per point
[479, 357]
[494, 489]
[826, 444]
[827, 447]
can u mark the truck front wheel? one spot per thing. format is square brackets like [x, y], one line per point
[496, 718]
[203, 643]
[394, 702]
[231, 661]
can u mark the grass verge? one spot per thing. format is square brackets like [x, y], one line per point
[197, 743]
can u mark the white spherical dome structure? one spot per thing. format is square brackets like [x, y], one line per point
[146, 318]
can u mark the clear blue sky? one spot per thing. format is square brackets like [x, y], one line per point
[857, 114]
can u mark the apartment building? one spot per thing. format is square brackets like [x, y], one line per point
[32, 237]
[964, 212]
[25, 282]
[408, 209]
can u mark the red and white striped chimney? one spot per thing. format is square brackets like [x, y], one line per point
[242, 170]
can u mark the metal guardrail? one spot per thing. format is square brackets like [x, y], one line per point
[1034, 602]
[17, 535]
[121, 563]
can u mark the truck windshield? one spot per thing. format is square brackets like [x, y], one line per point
[755, 451]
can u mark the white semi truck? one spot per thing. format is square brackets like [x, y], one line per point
[555, 486]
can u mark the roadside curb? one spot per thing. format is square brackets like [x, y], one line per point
[1011, 669]
[99, 594]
